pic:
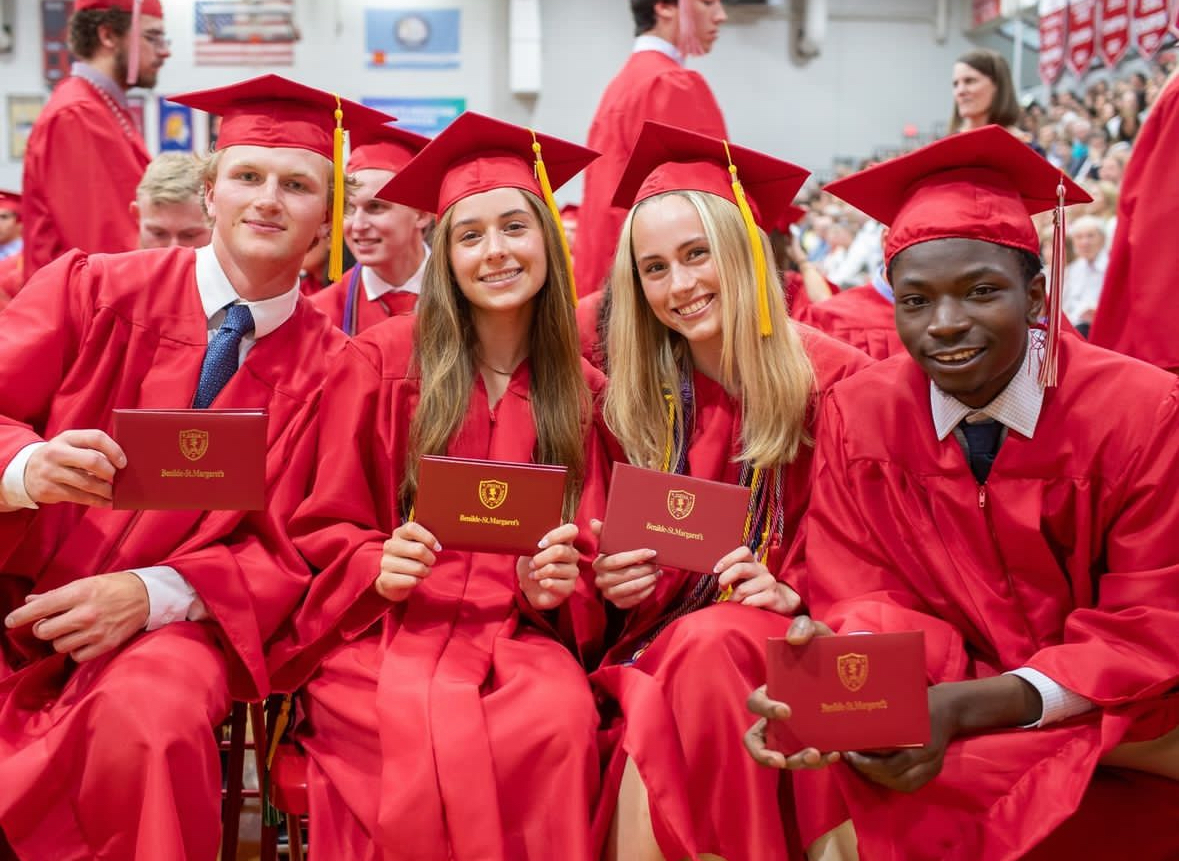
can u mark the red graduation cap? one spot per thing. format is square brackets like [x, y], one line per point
[146, 7]
[273, 111]
[9, 201]
[983, 184]
[667, 158]
[476, 153]
[386, 147]
[790, 215]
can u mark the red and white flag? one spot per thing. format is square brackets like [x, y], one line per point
[1113, 31]
[1149, 25]
[1082, 35]
[1053, 19]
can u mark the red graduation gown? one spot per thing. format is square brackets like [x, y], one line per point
[1136, 312]
[684, 736]
[859, 316]
[593, 348]
[651, 86]
[1065, 561]
[333, 299]
[80, 172]
[446, 729]
[87, 336]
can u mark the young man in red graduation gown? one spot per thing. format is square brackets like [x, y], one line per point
[85, 156]
[448, 717]
[653, 85]
[126, 633]
[1136, 314]
[385, 238]
[1009, 492]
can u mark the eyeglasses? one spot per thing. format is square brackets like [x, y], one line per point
[157, 39]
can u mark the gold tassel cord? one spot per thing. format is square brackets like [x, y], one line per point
[760, 267]
[336, 258]
[546, 188]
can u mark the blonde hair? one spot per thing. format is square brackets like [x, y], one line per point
[444, 357]
[772, 375]
[171, 177]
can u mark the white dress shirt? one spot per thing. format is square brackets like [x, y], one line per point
[170, 596]
[1017, 408]
[647, 42]
[375, 286]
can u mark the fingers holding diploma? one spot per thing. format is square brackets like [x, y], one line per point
[625, 579]
[75, 466]
[549, 578]
[407, 558]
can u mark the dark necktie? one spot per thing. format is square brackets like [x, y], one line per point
[982, 445]
[221, 358]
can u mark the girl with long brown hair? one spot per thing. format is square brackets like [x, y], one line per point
[443, 688]
[708, 378]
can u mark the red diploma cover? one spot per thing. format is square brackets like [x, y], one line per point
[204, 460]
[489, 506]
[851, 692]
[690, 523]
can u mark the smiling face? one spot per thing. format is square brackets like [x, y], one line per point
[963, 307]
[677, 271]
[267, 203]
[497, 250]
[378, 232]
[974, 93]
[162, 225]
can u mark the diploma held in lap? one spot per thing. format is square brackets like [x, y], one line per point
[690, 523]
[201, 460]
[489, 506]
[853, 692]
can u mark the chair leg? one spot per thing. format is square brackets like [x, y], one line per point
[294, 838]
[232, 810]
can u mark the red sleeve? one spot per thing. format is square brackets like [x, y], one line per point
[341, 526]
[1125, 647]
[87, 194]
[850, 583]
[43, 327]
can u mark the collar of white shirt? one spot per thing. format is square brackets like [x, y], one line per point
[101, 80]
[1017, 406]
[216, 292]
[375, 286]
[647, 42]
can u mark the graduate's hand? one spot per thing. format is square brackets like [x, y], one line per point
[753, 584]
[74, 466]
[548, 578]
[802, 631]
[406, 560]
[625, 579]
[89, 617]
[910, 769]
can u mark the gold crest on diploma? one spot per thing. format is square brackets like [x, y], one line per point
[493, 493]
[680, 503]
[853, 670]
[194, 444]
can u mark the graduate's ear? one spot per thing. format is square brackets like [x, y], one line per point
[134, 208]
[210, 203]
[423, 221]
[1036, 298]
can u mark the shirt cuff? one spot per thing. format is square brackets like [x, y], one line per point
[170, 598]
[13, 495]
[1059, 703]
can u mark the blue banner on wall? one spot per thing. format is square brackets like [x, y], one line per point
[424, 116]
[412, 38]
[175, 127]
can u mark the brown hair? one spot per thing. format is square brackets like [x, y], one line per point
[643, 12]
[1004, 110]
[444, 356]
[83, 32]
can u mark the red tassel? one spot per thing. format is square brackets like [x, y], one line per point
[689, 41]
[133, 51]
[1055, 293]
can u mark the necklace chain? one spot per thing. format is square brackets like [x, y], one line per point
[120, 114]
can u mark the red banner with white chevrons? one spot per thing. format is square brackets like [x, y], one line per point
[1113, 31]
[1148, 25]
[1082, 35]
[1053, 18]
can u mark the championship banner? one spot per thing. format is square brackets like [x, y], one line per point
[1113, 31]
[1082, 36]
[1175, 22]
[1053, 19]
[1148, 25]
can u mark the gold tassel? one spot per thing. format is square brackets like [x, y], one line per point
[336, 258]
[760, 267]
[1054, 294]
[547, 189]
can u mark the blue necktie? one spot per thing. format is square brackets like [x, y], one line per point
[982, 446]
[221, 358]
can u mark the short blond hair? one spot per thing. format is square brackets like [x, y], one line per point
[171, 177]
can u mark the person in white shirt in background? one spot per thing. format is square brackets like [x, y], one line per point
[1083, 277]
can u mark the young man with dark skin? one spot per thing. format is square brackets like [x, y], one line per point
[1011, 495]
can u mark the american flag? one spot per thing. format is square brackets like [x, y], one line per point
[245, 33]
